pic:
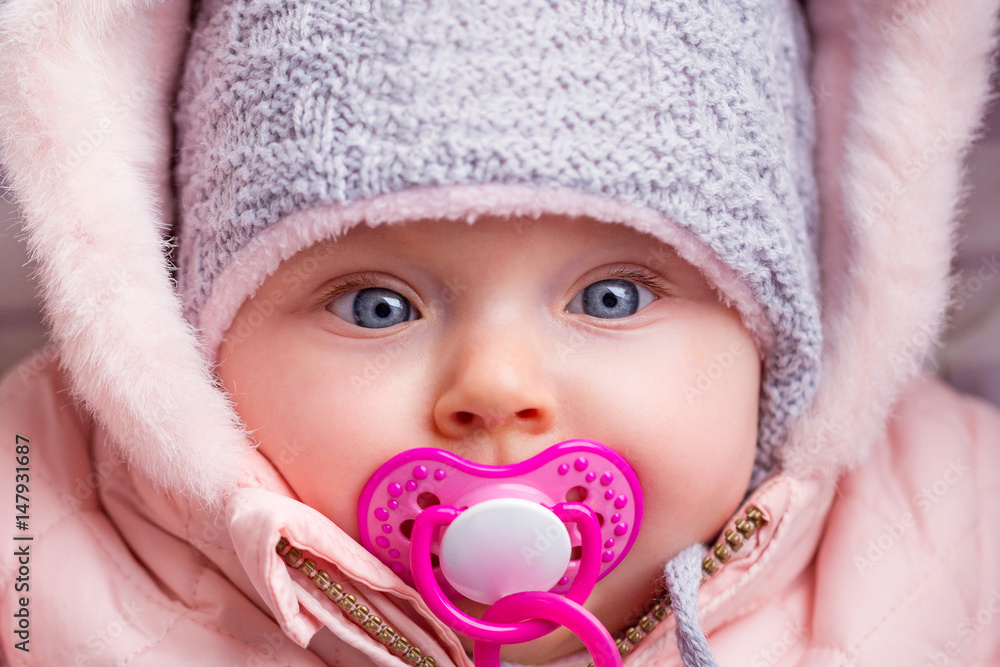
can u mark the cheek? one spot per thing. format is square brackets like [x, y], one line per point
[321, 417]
[697, 385]
[684, 414]
[712, 427]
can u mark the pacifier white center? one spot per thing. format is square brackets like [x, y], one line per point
[504, 546]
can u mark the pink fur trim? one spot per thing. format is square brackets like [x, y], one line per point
[901, 87]
[85, 145]
[302, 229]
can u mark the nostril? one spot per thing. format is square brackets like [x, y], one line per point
[463, 417]
[530, 413]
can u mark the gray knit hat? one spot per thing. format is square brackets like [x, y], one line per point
[690, 120]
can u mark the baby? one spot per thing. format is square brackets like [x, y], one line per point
[636, 266]
[486, 230]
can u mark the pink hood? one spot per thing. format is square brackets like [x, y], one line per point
[184, 523]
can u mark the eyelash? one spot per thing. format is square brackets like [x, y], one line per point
[359, 282]
[642, 276]
[364, 280]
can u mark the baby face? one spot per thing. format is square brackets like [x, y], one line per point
[496, 341]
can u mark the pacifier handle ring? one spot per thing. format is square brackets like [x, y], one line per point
[590, 542]
[553, 608]
[482, 630]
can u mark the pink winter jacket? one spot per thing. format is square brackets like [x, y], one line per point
[146, 527]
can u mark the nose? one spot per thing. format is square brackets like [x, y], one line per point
[496, 385]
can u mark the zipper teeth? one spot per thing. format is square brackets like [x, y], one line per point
[728, 543]
[359, 613]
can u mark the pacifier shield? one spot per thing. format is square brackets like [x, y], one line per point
[579, 470]
[504, 546]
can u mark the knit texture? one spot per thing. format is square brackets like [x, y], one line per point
[698, 110]
[683, 577]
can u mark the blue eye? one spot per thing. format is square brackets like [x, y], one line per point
[611, 299]
[372, 308]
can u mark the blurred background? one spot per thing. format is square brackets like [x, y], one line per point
[21, 327]
[969, 358]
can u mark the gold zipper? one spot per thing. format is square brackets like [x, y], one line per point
[359, 613]
[728, 543]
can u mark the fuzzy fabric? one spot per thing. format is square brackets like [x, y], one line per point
[87, 88]
[890, 166]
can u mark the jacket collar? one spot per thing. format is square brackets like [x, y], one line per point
[242, 539]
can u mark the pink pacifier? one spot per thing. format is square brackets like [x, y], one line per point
[531, 539]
